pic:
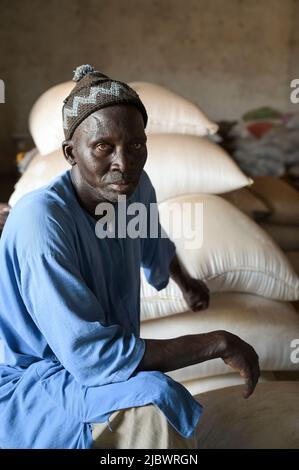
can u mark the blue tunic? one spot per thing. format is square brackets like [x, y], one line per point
[70, 323]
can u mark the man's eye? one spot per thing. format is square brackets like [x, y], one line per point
[137, 146]
[102, 147]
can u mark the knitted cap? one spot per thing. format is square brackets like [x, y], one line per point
[94, 91]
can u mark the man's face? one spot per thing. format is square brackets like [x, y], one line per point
[109, 151]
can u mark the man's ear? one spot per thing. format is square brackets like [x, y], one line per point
[67, 147]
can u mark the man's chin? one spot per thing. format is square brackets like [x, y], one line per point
[115, 191]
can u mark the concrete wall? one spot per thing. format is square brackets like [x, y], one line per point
[226, 55]
[294, 44]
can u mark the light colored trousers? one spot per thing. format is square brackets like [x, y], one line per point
[143, 427]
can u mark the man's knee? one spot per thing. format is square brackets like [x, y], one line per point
[142, 427]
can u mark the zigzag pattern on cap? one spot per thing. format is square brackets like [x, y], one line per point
[114, 90]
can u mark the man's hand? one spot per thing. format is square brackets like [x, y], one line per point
[4, 211]
[197, 295]
[241, 357]
[195, 292]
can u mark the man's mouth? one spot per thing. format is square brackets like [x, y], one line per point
[121, 186]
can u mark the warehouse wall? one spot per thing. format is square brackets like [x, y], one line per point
[226, 55]
[294, 44]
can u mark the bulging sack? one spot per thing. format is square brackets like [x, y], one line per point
[170, 113]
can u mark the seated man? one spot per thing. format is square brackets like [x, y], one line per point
[71, 352]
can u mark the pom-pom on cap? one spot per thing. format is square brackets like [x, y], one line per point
[81, 71]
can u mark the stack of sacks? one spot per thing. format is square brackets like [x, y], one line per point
[274, 204]
[249, 277]
[249, 203]
[177, 145]
[283, 202]
[190, 163]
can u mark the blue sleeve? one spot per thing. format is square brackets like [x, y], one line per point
[157, 249]
[72, 321]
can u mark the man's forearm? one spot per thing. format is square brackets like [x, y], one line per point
[166, 355]
[171, 354]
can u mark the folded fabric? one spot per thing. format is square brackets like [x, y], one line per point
[263, 113]
[169, 112]
[269, 326]
[260, 128]
[192, 164]
[257, 158]
[280, 197]
[261, 150]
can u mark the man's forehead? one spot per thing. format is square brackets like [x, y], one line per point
[101, 120]
[107, 120]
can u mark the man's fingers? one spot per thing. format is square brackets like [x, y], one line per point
[197, 296]
[251, 380]
[256, 375]
[250, 376]
[198, 306]
[255, 370]
[205, 300]
[248, 387]
[205, 288]
[202, 305]
[244, 359]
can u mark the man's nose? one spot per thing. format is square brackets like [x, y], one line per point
[122, 162]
